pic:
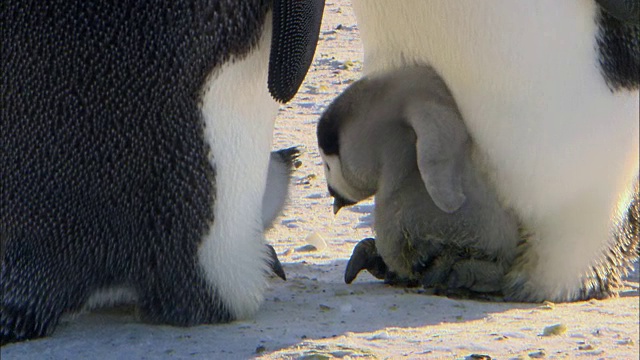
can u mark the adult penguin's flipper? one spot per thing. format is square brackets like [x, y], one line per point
[296, 25]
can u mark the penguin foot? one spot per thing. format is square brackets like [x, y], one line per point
[276, 266]
[18, 327]
[440, 273]
[18, 323]
[32, 302]
[365, 257]
[476, 275]
[391, 278]
[453, 272]
[464, 294]
[435, 274]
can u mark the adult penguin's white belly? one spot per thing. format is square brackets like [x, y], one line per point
[240, 153]
[559, 141]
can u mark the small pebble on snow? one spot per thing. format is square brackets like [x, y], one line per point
[478, 357]
[547, 305]
[627, 341]
[316, 240]
[315, 196]
[383, 335]
[552, 330]
[537, 354]
[306, 248]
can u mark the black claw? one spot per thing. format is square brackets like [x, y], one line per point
[296, 26]
[365, 257]
[276, 266]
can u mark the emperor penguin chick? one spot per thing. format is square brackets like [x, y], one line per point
[281, 164]
[438, 222]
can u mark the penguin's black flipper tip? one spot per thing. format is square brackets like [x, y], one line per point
[291, 156]
[296, 26]
[365, 257]
[276, 266]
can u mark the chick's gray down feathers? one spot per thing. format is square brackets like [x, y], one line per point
[438, 221]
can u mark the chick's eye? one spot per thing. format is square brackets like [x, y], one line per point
[328, 167]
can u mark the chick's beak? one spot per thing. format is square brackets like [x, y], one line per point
[339, 201]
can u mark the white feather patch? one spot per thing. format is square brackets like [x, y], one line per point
[111, 296]
[239, 115]
[335, 178]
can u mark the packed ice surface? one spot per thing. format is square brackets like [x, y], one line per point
[314, 312]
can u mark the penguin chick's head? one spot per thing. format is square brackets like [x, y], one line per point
[339, 188]
[349, 173]
[385, 129]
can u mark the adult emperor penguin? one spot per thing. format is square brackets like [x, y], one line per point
[135, 140]
[548, 91]
[399, 136]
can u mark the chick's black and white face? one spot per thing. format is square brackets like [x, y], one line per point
[339, 187]
[344, 152]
